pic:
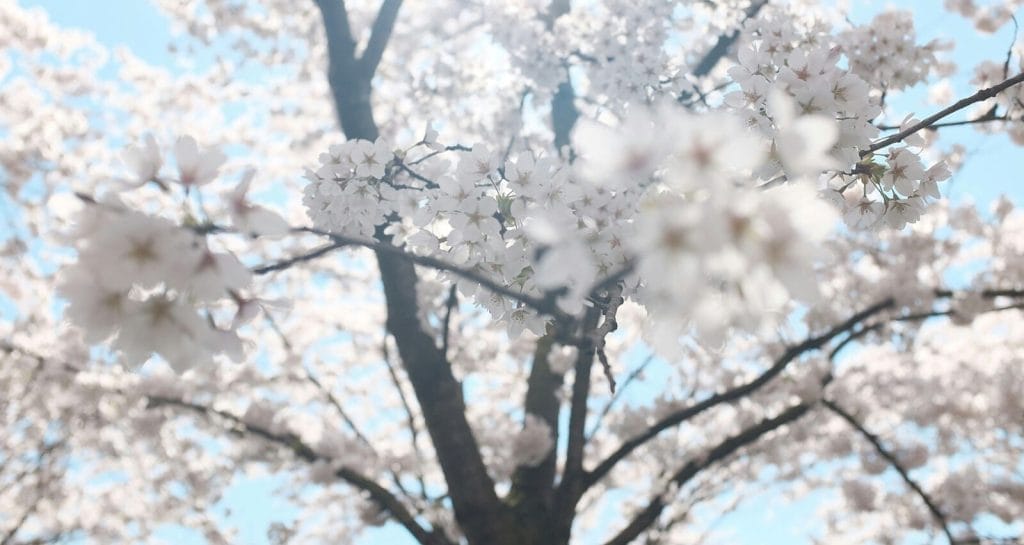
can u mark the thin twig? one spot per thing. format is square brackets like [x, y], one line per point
[876, 442]
[385, 499]
[632, 376]
[301, 258]
[410, 416]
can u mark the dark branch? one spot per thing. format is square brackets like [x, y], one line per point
[350, 88]
[302, 258]
[609, 308]
[721, 48]
[564, 115]
[410, 416]
[987, 118]
[649, 515]
[532, 486]
[980, 96]
[385, 499]
[632, 376]
[479, 512]
[682, 415]
[545, 306]
[572, 485]
[477, 507]
[888, 456]
[379, 36]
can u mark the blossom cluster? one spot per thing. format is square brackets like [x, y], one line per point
[485, 213]
[871, 188]
[141, 280]
[704, 237]
[666, 194]
[151, 285]
[349, 192]
[986, 18]
[619, 41]
[884, 53]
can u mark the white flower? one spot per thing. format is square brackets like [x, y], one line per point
[900, 212]
[796, 222]
[94, 306]
[164, 325]
[671, 238]
[195, 167]
[476, 220]
[134, 248]
[250, 218]
[904, 172]
[802, 143]
[371, 158]
[213, 276]
[568, 265]
[144, 161]
[480, 163]
[709, 146]
[865, 213]
[623, 155]
[430, 138]
[929, 186]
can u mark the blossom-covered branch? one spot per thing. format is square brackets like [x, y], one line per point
[684, 414]
[888, 456]
[643, 520]
[306, 453]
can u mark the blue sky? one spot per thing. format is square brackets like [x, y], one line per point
[992, 169]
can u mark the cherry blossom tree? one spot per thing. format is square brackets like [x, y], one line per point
[524, 272]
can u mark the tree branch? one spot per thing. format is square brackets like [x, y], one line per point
[888, 456]
[385, 499]
[980, 96]
[450, 305]
[564, 113]
[340, 410]
[545, 306]
[301, 258]
[410, 417]
[379, 36]
[350, 88]
[649, 515]
[532, 486]
[572, 486]
[988, 118]
[632, 376]
[721, 48]
[868, 328]
[477, 508]
[40, 482]
[684, 414]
